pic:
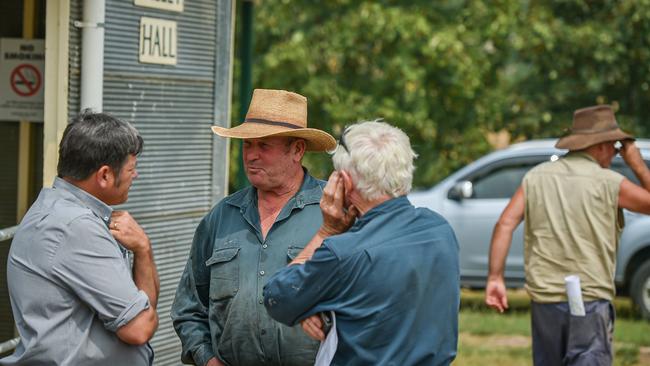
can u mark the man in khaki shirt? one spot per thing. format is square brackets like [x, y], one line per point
[572, 208]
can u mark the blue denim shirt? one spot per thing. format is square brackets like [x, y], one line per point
[392, 281]
[218, 309]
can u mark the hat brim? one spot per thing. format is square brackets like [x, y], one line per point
[317, 140]
[583, 141]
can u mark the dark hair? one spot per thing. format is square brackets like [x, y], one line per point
[92, 140]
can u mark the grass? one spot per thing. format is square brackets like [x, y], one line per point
[489, 338]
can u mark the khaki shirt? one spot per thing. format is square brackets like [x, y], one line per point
[573, 225]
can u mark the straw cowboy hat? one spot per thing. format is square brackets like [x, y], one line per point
[591, 126]
[278, 113]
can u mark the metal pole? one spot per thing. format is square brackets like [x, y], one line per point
[8, 233]
[92, 54]
[9, 345]
[245, 79]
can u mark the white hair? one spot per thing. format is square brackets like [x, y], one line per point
[378, 157]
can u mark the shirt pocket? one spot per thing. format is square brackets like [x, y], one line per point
[224, 273]
[292, 252]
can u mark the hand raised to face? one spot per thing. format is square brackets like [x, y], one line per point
[336, 217]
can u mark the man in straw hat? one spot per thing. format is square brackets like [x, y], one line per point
[573, 218]
[218, 311]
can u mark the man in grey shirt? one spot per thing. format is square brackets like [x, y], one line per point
[74, 297]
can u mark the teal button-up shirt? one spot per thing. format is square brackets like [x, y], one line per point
[218, 310]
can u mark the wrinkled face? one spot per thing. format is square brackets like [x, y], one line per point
[119, 192]
[270, 162]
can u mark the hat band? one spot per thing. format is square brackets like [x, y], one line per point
[272, 123]
[589, 131]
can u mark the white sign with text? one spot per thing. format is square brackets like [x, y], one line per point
[22, 62]
[158, 41]
[171, 5]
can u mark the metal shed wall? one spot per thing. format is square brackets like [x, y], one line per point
[182, 170]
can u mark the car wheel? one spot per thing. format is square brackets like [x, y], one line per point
[640, 289]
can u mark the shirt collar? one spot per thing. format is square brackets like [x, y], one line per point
[98, 207]
[391, 205]
[583, 155]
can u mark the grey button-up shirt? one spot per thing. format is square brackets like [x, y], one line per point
[218, 310]
[71, 285]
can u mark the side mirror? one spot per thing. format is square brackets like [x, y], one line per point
[461, 190]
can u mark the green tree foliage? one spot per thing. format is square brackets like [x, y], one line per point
[450, 72]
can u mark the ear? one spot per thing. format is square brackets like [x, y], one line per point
[104, 177]
[347, 181]
[299, 148]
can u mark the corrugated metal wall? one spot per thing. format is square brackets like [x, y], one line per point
[183, 166]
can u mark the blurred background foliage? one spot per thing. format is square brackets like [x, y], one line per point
[459, 77]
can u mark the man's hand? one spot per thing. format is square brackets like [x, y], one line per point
[128, 232]
[495, 294]
[214, 362]
[313, 326]
[336, 218]
[631, 154]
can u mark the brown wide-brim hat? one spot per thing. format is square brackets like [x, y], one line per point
[278, 113]
[591, 126]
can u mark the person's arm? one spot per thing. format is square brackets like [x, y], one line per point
[189, 311]
[90, 264]
[630, 195]
[336, 219]
[495, 289]
[127, 231]
[298, 291]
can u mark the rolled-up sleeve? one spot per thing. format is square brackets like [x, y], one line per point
[189, 311]
[298, 291]
[90, 264]
[135, 307]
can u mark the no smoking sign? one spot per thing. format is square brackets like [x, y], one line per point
[22, 62]
[25, 80]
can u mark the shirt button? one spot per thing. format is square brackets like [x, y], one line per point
[261, 273]
[105, 218]
[261, 301]
[263, 331]
[264, 246]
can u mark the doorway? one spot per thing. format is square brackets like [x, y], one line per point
[21, 141]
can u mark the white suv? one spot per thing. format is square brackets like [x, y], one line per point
[473, 198]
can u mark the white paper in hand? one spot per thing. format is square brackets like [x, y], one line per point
[576, 306]
[327, 347]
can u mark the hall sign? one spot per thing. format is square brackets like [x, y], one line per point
[157, 41]
[171, 5]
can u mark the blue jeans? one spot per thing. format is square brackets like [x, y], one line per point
[560, 338]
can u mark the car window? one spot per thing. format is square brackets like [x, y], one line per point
[621, 167]
[501, 182]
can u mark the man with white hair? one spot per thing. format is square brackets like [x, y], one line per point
[387, 270]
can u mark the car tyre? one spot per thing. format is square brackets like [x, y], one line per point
[640, 289]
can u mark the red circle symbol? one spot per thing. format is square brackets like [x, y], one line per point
[25, 80]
